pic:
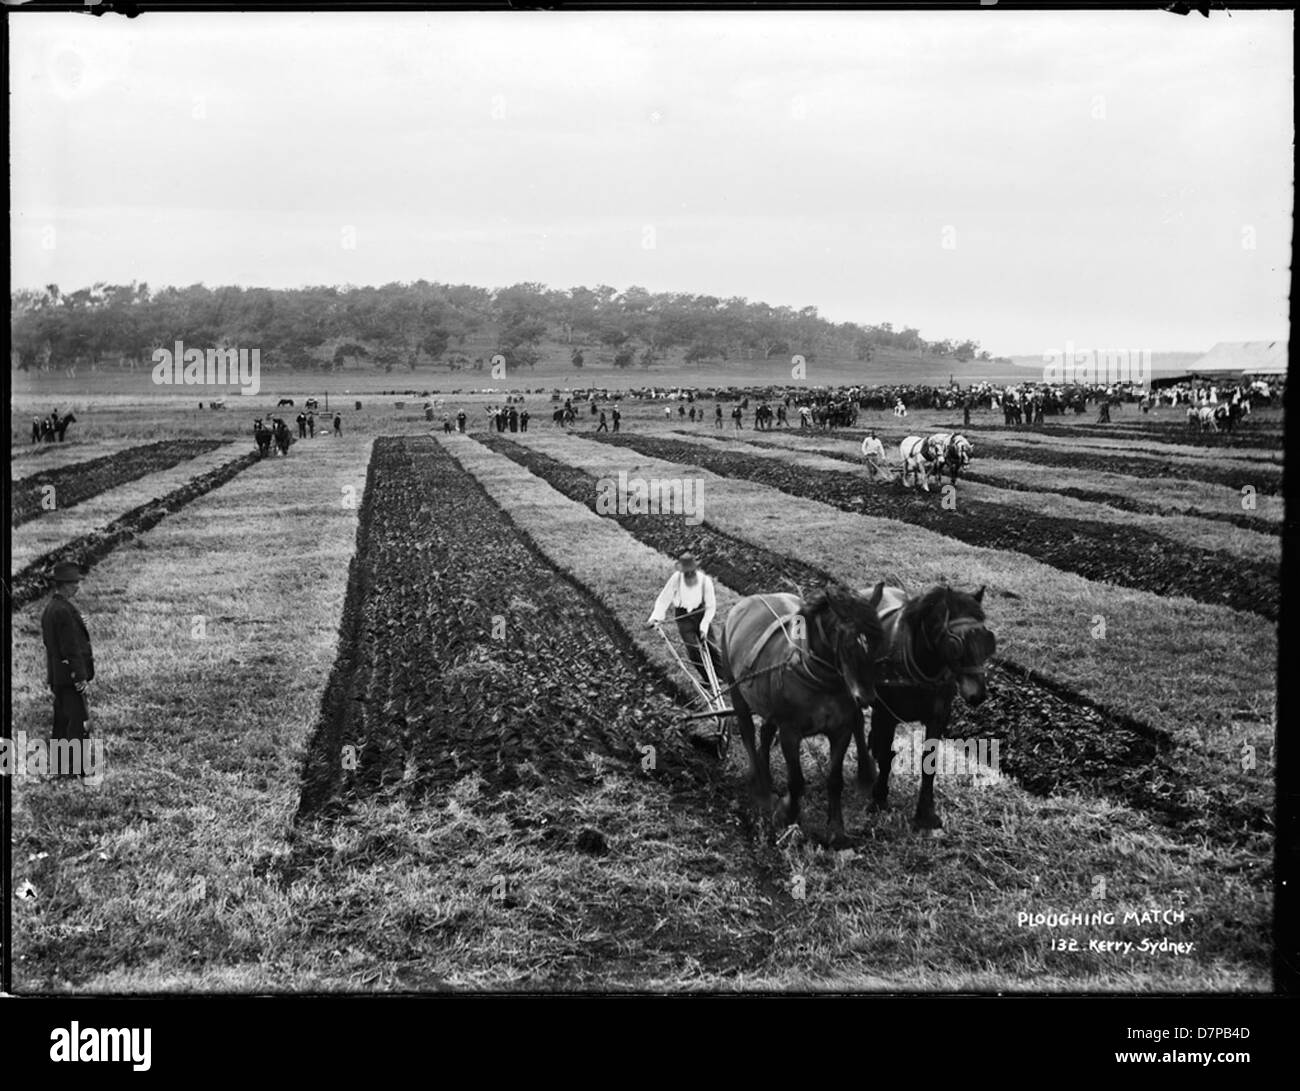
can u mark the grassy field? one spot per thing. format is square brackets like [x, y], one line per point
[188, 870]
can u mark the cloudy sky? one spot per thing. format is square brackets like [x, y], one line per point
[1120, 179]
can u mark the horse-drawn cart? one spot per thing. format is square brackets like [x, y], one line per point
[710, 700]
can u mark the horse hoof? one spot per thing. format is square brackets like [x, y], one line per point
[931, 833]
[929, 825]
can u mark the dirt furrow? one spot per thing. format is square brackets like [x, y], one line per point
[67, 486]
[1264, 478]
[1127, 556]
[465, 652]
[1110, 499]
[1056, 739]
[30, 583]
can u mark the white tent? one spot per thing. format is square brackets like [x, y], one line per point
[1246, 357]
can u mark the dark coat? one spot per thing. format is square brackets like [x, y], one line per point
[68, 657]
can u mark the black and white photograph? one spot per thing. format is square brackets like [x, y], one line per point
[647, 502]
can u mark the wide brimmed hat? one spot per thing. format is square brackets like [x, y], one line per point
[65, 572]
[687, 562]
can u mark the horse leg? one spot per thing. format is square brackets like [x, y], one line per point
[787, 814]
[835, 783]
[927, 819]
[760, 774]
[883, 725]
[867, 771]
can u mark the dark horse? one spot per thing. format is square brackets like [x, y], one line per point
[282, 437]
[808, 668]
[51, 427]
[937, 648]
[262, 437]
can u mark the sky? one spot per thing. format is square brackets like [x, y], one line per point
[1028, 180]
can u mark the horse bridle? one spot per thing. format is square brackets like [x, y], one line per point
[953, 631]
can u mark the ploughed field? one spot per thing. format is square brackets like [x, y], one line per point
[68, 485]
[465, 658]
[496, 789]
[1127, 556]
[1056, 739]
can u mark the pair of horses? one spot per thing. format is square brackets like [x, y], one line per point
[1217, 418]
[931, 456]
[278, 434]
[810, 667]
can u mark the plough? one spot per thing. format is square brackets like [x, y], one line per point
[710, 697]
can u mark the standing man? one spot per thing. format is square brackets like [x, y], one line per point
[523, 421]
[460, 420]
[690, 595]
[338, 424]
[69, 664]
[874, 452]
[617, 417]
[602, 426]
[311, 425]
[302, 425]
[717, 415]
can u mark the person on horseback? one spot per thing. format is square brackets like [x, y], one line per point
[690, 595]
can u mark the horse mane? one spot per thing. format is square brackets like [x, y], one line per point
[844, 602]
[923, 606]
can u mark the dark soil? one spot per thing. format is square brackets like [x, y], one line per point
[1054, 739]
[1111, 500]
[1126, 556]
[1250, 437]
[82, 480]
[89, 549]
[1145, 464]
[426, 694]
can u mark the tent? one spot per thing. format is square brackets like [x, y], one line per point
[1244, 358]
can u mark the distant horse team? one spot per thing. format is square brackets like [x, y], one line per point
[51, 428]
[1223, 417]
[276, 433]
[924, 459]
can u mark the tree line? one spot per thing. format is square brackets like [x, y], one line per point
[330, 328]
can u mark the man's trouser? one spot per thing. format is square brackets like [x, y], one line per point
[70, 716]
[688, 627]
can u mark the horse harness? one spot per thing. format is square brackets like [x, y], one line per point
[901, 666]
[804, 662]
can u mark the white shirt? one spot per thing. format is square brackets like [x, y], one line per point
[689, 596]
[873, 447]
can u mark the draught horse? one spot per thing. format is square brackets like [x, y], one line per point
[926, 458]
[808, 667]
[937, 648]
